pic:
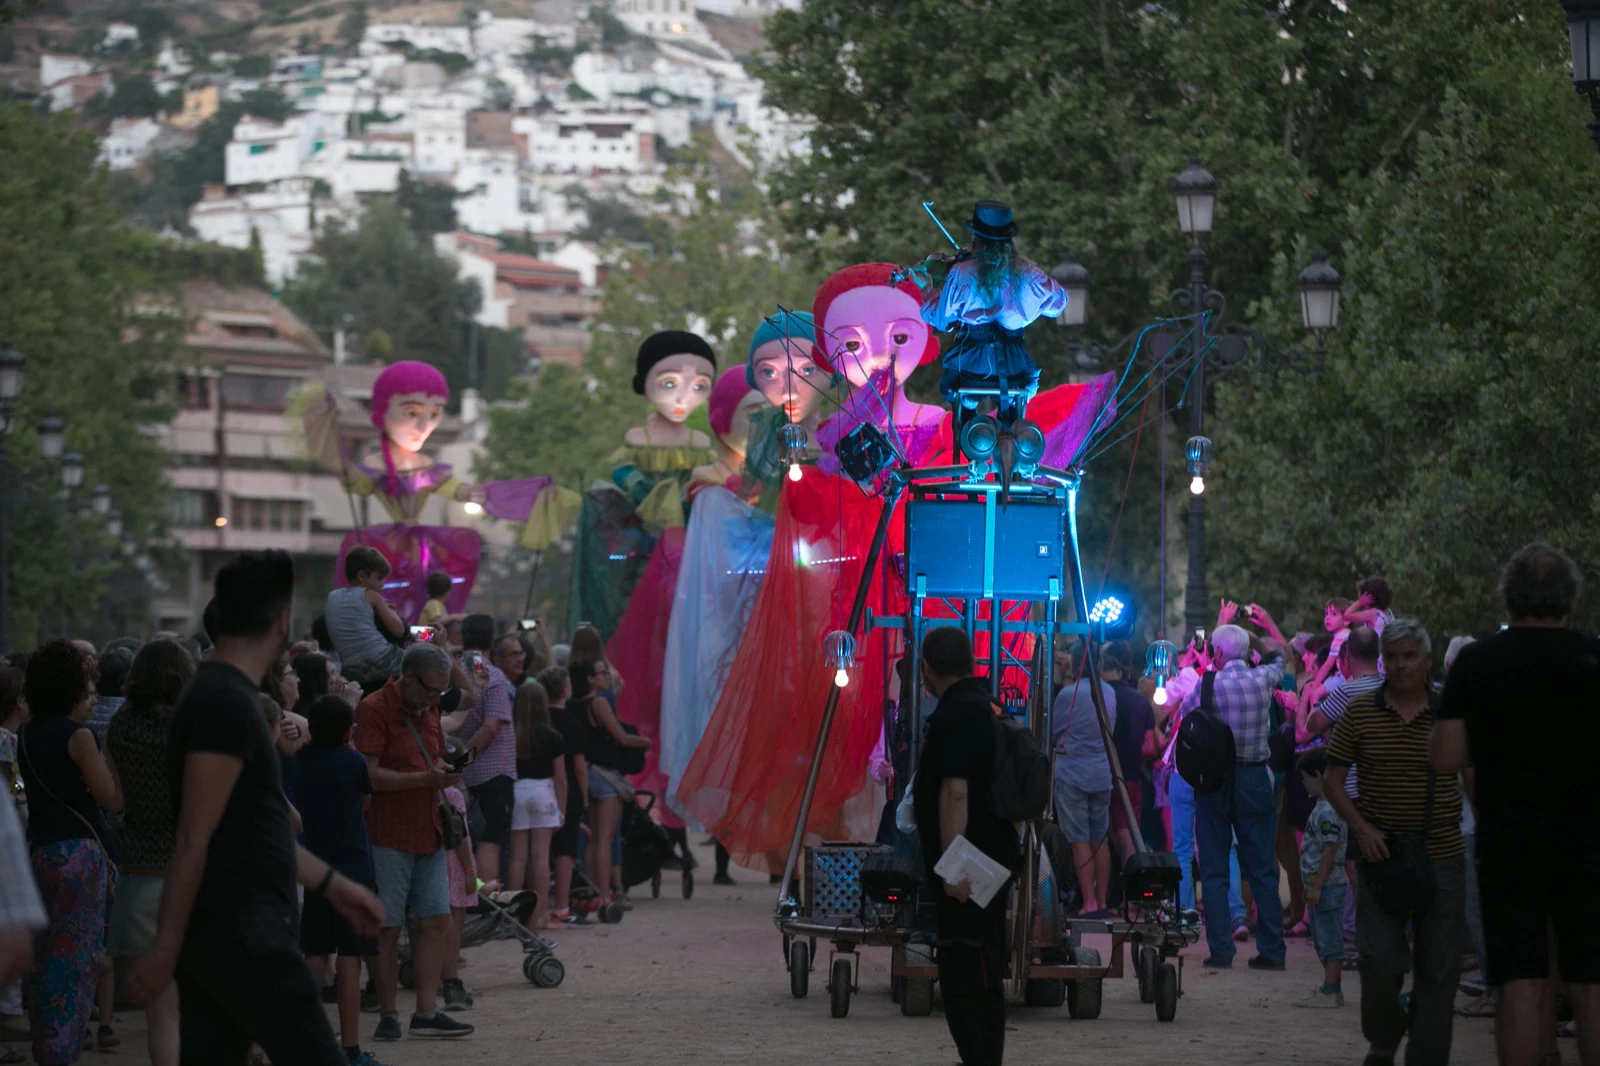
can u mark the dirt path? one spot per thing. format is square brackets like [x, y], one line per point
[701, 981]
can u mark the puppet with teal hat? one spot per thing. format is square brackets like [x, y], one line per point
[799, 391]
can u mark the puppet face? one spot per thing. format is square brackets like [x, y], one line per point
[787, 377]
[678, 384]
[872, 330]
[738, 435]
[411, 419]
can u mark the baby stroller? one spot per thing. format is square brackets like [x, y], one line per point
[586, 899]
[646, 847]
[498, 916]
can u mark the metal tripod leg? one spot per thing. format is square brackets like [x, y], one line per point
[858, 610]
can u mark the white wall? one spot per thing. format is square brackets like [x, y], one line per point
[127, 144]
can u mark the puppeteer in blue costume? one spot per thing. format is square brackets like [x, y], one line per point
[988, 295]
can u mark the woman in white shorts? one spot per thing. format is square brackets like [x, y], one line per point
[540, 797]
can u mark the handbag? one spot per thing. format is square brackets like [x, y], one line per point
[1405, 882]
[452, 826]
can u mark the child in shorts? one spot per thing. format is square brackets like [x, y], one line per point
[334, 788]
[1322, 851]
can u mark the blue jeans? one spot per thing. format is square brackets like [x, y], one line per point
[1181, 796]
[1251, 819]
[1327, 923]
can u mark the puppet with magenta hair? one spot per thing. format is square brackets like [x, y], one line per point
[408, 402]
[745, 780]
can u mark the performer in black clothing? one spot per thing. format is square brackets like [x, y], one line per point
[951, 800]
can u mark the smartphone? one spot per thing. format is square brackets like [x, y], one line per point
[460, 760]
[528, 625]
[1200, 635]
[422, 633]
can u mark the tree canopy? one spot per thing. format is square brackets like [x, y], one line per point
[71, 287]
[1329, 126]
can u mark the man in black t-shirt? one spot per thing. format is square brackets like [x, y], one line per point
[1133, 735]
[1519, 716]
[227, 923]
[564, 843]
[951, 799]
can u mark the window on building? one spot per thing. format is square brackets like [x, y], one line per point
[195, 391]
[273, 516]
[256, 392]
[193, 508]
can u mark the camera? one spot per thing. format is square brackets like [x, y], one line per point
[425, 633]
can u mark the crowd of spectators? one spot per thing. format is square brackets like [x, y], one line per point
[161, 787]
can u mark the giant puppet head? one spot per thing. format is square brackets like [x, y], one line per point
[408, 401]
[783, 365]
[733, 403]
[673, 370]
[868, 325]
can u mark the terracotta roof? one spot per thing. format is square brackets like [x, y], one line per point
[214, 307]
[525, 270]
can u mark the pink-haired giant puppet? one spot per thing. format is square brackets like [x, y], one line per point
[408, 403]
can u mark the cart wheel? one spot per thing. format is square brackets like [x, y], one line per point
[408, 976]
[1148, 963]
[549, 972]
[1046, 992]
[655, 885]
[839, 987]
[1083, 995]
[1166, 992]
[799, 969]
[916, 993]
[611, 913]
[530, 966]
[688, 885]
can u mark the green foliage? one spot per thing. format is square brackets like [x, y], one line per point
[429, 206]
[132, 96]
[1454, 421]
[354, 25]
[69, 284]
[713, 271]
[612, 30]
[254, 65]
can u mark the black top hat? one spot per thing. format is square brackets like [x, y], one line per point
[992, 219]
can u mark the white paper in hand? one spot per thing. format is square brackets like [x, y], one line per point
[962, 861]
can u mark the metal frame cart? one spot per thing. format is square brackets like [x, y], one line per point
[999, 554]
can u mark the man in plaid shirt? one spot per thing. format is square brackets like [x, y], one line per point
[1248, 812]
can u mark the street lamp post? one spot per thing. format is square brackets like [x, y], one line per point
[1195, 191]
[1583, 34]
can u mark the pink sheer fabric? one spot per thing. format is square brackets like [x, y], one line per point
[412, 551]
[512, 501]
[637, 650]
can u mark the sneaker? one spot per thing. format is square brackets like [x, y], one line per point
[1320, 999]
[456, 996]
[1241, 931]
[1213, 963]
[547, 942]
[1261, 962]
[388, 1028]
[723, 879]
[106, 1039]
[438, 1024]
[365, 1058]
[623, 902]
[570, 918]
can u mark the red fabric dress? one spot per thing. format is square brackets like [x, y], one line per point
[745, 781]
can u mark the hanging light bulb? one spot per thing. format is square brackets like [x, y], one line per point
[840, 648]
[1198, 453]
[795, 440]
[472, 507]
[1158, 662]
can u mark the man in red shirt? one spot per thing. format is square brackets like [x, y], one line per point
[398, 730]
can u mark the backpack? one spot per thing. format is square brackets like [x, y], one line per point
[1020, 786]
[1204, 751]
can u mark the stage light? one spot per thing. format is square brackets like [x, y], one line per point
[1198, 453]
[1161, 695]
[1198, 485]
[794, 471]
[473, 508]
[1113, 614]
